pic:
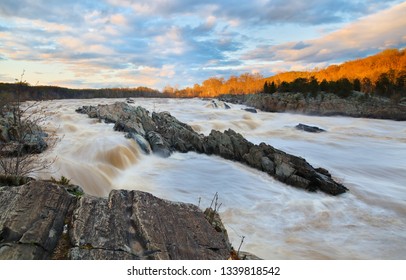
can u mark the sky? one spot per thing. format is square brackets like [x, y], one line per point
[156, 43]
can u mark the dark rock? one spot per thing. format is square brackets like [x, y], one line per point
[308, 128]
[219, 104]
[158, 144]
[11, 180]
[180, 136]
[130, 101]
[41, 220]
[251, 110]
[141, 141]
[20, 140]
[323, 171]
[149, 228]
[35, 143]
[32, 219]
[219, 143]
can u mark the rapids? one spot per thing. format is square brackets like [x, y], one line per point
[278, 221]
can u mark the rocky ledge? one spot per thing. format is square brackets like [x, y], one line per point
[324, 104]
[163, 134]
[20, 138]
[44, 220]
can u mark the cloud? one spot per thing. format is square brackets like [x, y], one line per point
[181, 41]
[385, 29]
[261, 11]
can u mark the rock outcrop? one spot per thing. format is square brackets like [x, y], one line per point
[324, 104]
[32, 218]
[218, 104]
[23, 138]
[166, 134]
[44, 220]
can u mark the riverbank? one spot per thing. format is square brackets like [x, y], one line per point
[324, 104]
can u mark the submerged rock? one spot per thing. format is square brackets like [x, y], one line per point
[251, 110]
[166, 134]
[308, 128]
[42, 220]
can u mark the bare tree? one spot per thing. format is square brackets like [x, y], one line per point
[22, 139]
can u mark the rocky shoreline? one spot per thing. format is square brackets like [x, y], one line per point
[325, 104]
[163, 134]
[46, 220]
[20, 138]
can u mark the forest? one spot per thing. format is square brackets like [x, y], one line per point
[383, 74]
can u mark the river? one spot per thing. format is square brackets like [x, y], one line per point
[278, 221]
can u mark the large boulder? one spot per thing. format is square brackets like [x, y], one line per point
[43, 220]
[32, 218]
[158, 144]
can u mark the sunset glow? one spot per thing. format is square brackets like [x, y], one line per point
[126, 43]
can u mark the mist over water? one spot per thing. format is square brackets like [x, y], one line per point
[278, 221]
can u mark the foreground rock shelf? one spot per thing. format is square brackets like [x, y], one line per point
[44, 220]
[163, 134]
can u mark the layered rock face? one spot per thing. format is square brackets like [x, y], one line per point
[326, 104]
[165, 134]
[43, 220]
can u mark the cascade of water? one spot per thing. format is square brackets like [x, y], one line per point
[279, 222]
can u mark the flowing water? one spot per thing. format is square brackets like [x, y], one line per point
[278, 221]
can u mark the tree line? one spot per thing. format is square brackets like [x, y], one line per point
[389, 84]
[28, 92]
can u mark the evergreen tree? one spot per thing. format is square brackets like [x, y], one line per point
[357, 85]
[272, 87]
[266, 87]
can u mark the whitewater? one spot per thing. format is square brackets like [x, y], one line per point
[277, 221]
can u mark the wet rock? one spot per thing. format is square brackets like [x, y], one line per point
[168, 134]
[218, 104]
[180, 136]
[158, 144]
[141, 141]
[251, 110]
[308, 128]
